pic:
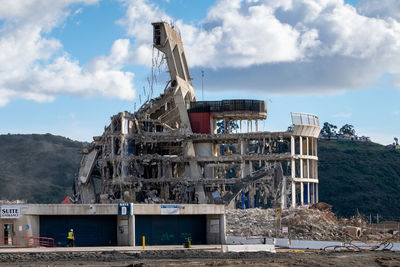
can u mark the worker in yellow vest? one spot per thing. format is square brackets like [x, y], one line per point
[70, 238]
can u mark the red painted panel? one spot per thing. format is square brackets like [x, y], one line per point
[200, 122]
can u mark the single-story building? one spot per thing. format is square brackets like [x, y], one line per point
[122, 224]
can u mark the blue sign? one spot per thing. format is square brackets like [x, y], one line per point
[27, 227]
[125, 209]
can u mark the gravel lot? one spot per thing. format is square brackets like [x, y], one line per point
[191, 257]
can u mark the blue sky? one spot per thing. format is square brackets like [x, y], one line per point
[68, 67]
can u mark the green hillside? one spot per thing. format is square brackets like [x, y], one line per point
[41, 169]
[37, 168]
[360, 175]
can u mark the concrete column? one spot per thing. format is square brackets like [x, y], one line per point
[132, 230]
[292, 145]
[124, 124]
[225, 127]
[293, 194]
[308, 193]
[213, 125]
[316, 187]
[313, 193]
[315, 147]
[301, 168]
[301, 145]
[159, 171]
[293, 165]
[283, 194]
[243, 150]
[308, 168]
[312, 147]
[302, 193]
[222, 229]
[252, 194]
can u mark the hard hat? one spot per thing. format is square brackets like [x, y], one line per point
[72, 230]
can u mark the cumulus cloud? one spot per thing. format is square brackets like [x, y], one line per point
[379, 8]
[34, 66]
[285, 46]
[139, 16]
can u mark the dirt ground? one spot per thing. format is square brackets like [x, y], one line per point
[201, 258]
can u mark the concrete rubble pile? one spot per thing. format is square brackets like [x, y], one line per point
[302, 223]
[312, 224]
[250, 222]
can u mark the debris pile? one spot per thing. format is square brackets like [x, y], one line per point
[312, 224]
[301, 223]
[251, 222]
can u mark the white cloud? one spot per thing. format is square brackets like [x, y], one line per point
[262, 46]
[139, 16]
[285, 46]
[34, 66]
[379, 8]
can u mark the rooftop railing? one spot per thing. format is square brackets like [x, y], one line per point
[228, 105]
[304, 119]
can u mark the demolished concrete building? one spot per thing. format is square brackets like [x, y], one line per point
[169, 150]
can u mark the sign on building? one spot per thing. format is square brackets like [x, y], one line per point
[10, 212]
[169, 209]
[125, 209]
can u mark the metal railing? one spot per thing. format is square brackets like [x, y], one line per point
[8, 241]
[228, 105]
[299, 118]
[26, 241]
[32, 241]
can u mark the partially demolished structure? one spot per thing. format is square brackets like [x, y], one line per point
[169, 150]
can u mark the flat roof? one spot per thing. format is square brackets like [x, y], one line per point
[112, 209]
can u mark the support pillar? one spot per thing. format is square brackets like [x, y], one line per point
[245, 169]
[283, 194]
[222, 229]
[293, 194]
[131, 225]
[302, 193]
[308, 147]
[301, 168]
[301, 145]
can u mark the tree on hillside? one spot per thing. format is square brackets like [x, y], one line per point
[328, 129]
[347, 129]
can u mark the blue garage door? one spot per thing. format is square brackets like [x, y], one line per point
[170, 229]
[89, 230]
